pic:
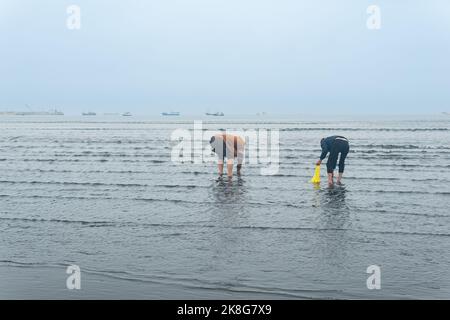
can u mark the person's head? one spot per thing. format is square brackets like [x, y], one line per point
[321, 141]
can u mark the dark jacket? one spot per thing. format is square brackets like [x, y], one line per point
[327, 143]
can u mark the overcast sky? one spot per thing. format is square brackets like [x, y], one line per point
[236, 56]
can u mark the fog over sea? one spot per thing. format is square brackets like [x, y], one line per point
[101, 192]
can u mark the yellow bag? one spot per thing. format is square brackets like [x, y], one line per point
[316, 177]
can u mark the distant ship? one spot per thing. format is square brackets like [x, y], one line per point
[216, 114]
[53, 112]
[171, 113]
[7, 113]
[126, 114]
[89, 114]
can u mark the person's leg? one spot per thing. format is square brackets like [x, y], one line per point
[230, 168]
[332, 160]
[238, 171]
[220, 167]
[330, 178]
[344, 152]
[240, 160]
[339, 178]
[341, 167]
[221, 154]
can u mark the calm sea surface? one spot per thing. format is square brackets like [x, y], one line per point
[103, 193]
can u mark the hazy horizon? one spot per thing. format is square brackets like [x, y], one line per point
[203, 116]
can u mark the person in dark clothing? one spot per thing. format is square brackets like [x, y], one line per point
[334, 145]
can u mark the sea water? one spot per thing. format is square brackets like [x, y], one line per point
[105, 194]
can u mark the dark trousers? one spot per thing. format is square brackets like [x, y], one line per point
[339, 146]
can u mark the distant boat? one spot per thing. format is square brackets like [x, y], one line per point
[126, 114]
[216, 114]
[89, 114]
[53, 112]
[171, 113]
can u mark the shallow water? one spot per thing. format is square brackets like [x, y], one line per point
[103, 193]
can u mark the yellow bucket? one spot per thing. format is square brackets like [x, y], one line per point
[316, 177]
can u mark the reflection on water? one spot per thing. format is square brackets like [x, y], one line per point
[230, 201]
[227, 213]
[331, 199]
[335, 210]
[229, 191]
[334, 198]
[334, 216]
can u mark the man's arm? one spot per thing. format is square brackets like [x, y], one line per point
[324, 153]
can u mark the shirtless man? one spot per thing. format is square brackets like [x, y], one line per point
[228, 146]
